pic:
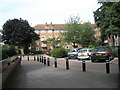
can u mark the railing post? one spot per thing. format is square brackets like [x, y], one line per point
[67, 64]
[40, 58]
[45, 60]
[55, 61]
[84, 65]
[48, 61]
[28, 57]
[37, 58]
[107, 66]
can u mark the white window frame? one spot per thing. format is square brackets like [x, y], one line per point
[37, 48]
[36, 31]
[50, 31]
[50, 36]
[43, 37]
[43, 31]
[56, 31]
[62, 31]
[57, 36]
[37, 43]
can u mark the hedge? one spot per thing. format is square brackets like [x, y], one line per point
[115, 50]
[8, 51]
[59, 52]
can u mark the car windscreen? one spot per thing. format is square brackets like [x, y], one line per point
[99, 50]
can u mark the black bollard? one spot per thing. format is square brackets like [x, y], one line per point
[37, 58]
[55, 62]
[42, 59]
[83, 65]
[45, 60]
[48, 61]
[67, 64]
[28, 57]
[107, 66]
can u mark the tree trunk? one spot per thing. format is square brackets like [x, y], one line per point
[113, 41]
[73, 45]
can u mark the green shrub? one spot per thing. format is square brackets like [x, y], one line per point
[115, 50]
[8, 51]
[59, 52]
[91, 46]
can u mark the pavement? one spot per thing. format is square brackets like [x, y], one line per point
[34, 74]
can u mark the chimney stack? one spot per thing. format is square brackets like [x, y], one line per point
[51, 24]
[46, 23]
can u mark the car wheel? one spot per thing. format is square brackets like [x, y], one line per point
[69, 58]
[89, 58]
[92, 60]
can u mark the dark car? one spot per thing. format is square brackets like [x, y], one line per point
[73, 53]
[102, 54]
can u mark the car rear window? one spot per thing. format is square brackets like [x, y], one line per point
[72, 50]
[82, 51]
[99, 49]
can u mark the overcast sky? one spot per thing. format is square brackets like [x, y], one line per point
[42, 11]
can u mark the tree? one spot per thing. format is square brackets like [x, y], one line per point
[72, 30]
[52, 42]
[87, 35]
[107, 17]
[18, 32]
[78, 33]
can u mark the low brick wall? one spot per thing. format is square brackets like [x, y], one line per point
[9, 72]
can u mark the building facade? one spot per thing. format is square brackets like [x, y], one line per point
[47, 31]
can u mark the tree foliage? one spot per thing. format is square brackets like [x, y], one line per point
[87, 35]
[107, 17]
[72, 30]
[52, 42]
[18, 32]
[78, 33]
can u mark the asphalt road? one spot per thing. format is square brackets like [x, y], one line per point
[34, 74]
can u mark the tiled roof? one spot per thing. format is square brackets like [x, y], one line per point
[49, 26]
[55, 26]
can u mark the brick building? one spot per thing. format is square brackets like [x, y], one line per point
[53, 30]
[46, 31]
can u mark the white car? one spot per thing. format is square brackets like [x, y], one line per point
[84, 54]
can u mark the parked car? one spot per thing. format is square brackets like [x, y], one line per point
[84, 54]
[73, 53]
[102, 54]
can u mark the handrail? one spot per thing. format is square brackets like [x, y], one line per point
[8, 61]
[9, 69]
